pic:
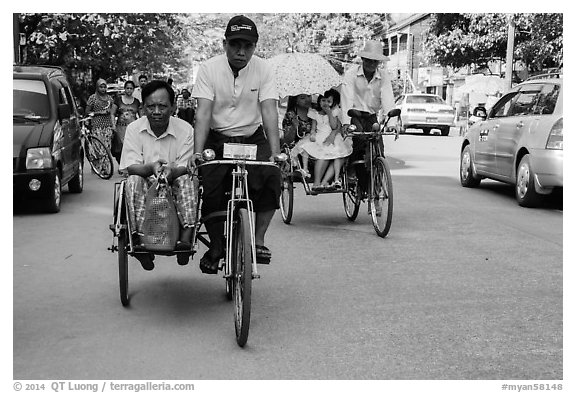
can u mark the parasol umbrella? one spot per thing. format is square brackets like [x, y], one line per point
[303, 73]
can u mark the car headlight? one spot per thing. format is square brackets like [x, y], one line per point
[39, 158]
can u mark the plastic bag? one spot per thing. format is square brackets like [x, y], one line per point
[161, 226]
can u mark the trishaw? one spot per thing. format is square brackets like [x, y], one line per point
[239, 265]
[378, 190]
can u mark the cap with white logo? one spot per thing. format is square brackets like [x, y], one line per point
[241, 27]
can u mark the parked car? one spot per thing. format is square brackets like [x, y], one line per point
[519, 141]
[425, 111]
[46, 136]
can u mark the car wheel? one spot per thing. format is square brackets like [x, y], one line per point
[526, 194]
[76, 185]
[55, 198]
[467, 178]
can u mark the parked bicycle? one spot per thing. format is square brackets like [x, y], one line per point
[98, 155]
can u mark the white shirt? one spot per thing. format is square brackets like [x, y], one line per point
[141, 146]
[323, 121]
[236, 101]
[375, 96]
[137, 93]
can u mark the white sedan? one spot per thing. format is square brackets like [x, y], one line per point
[425, 111]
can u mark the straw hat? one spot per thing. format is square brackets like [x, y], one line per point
[373, 50]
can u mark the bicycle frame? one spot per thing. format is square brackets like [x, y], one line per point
[373, 149]
[239, 195]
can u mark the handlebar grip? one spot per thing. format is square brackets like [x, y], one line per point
[281, 157]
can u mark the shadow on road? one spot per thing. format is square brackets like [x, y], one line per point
[553, 201]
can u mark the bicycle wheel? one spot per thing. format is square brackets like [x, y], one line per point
[123, 267]
[380, 201]
[242, 275]
[350, 196]
[99, 157]
[287, 194]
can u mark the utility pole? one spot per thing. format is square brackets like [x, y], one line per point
[16, 37]
[510, 51]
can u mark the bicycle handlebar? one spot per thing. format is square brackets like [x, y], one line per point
[238, 162]
[383, 131]
[377, 128]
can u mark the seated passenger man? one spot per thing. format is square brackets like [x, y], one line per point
[156, 143]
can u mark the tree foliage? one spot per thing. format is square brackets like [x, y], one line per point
[110, 45]
[116, 44]
[459, 40]
[334, 35]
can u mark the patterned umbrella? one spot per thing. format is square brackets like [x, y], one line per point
[303, 73]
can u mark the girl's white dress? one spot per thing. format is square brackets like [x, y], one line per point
[317, 149]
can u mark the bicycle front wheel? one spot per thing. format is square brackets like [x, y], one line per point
[123, 267]
[99, 157]
[380, 201]
[287, 194]
[242, 274]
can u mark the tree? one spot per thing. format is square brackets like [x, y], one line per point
[459, 40]
[337, 36]
[110, 45]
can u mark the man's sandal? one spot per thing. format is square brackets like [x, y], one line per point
[208, 264]
[185, 249]
[263, 255]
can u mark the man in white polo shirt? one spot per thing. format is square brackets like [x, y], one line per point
[237, 102]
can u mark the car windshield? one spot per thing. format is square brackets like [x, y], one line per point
[30, 99]
[424, 100]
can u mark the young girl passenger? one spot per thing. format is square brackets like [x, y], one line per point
[326, 145]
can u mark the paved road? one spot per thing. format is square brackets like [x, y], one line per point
[467, 285]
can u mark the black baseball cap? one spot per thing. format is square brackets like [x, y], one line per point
[241, 27]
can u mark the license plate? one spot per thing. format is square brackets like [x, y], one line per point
[431, 119]
[240, 151]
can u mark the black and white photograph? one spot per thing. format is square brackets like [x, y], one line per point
[288, 200]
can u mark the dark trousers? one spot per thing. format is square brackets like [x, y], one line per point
[263, 183]
[359, 145]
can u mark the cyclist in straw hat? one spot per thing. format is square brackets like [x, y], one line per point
[367, 88]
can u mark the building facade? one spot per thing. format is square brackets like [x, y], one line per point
[404, 45]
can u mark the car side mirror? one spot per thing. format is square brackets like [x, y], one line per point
[394, 112]
[480, 112]
[63, 111]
